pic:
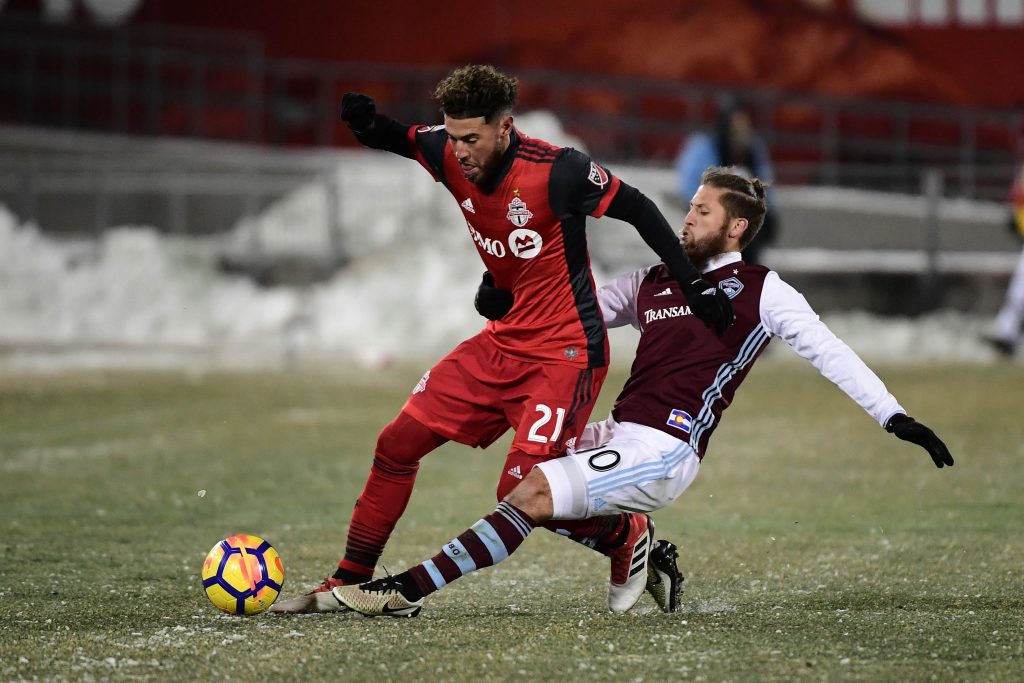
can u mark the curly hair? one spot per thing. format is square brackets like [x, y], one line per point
[477, 90]
[742, 198]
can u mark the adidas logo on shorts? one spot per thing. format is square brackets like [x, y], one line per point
[515, 472]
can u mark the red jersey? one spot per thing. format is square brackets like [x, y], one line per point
[528, 225]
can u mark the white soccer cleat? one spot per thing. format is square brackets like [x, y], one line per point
[320, 599]
[380, 598]
[629, 565]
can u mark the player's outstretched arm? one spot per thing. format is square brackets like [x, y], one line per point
[909, 429]
[708, 302]
[374, 130]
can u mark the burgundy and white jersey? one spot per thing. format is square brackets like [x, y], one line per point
[684, 375]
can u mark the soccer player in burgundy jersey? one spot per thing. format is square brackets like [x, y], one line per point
[539, 368]
[684, 377]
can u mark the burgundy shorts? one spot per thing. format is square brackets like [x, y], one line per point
[475, 393]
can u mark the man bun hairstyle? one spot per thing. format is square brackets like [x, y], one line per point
[742, 198]
[477, 90]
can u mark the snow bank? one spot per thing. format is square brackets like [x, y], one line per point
[137, 297]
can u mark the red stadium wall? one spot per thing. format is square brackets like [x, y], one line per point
[782, 44]
[230, 70]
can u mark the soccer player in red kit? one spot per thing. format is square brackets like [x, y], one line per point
[539, 368]
[650, 448]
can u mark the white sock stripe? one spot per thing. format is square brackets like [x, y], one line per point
[515, 517]
[460, 556]
[491, 540]
[434, 574]
[510, 510]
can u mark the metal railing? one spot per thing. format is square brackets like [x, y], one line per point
[85, 183]
[222, 86]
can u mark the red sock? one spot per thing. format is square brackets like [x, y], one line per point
[400, 447]
[604, 533]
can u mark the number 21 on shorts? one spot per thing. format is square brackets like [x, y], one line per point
[540, 424]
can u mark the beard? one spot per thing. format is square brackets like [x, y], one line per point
[702, 250]
[489, 166]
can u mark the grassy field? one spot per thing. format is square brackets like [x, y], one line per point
[815, 545]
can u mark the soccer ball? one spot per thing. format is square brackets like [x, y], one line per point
[243, 574]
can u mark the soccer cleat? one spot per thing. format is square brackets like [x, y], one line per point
[1003, 347]
[664, 580]
[380, 598]
[629, 565]
[320, 599]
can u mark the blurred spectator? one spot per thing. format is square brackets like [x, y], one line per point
[1008, 322]
[733, 143]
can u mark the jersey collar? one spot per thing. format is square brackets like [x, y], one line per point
[506, 163]
[722, 260]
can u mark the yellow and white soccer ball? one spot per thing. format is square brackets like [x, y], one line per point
[243, 574]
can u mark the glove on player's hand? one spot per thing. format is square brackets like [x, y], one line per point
[358, 111]
[909, 429]
[492, 302]
[710, 304]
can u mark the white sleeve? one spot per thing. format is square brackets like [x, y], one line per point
[786, 313]
[618, 299]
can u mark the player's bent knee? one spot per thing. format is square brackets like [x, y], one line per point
[533, 496]
[404, 441]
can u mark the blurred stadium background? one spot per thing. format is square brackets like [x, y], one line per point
[177, 192]
[176, 180]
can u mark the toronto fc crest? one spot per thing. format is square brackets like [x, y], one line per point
[517, 212]
[421, 386]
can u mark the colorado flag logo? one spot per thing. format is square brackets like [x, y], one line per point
[680, 419]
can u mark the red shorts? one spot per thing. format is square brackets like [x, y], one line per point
[475, 393]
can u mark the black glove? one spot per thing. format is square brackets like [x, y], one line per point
[909, 429]
[492, 302]
[358, 111]
[710, 304]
